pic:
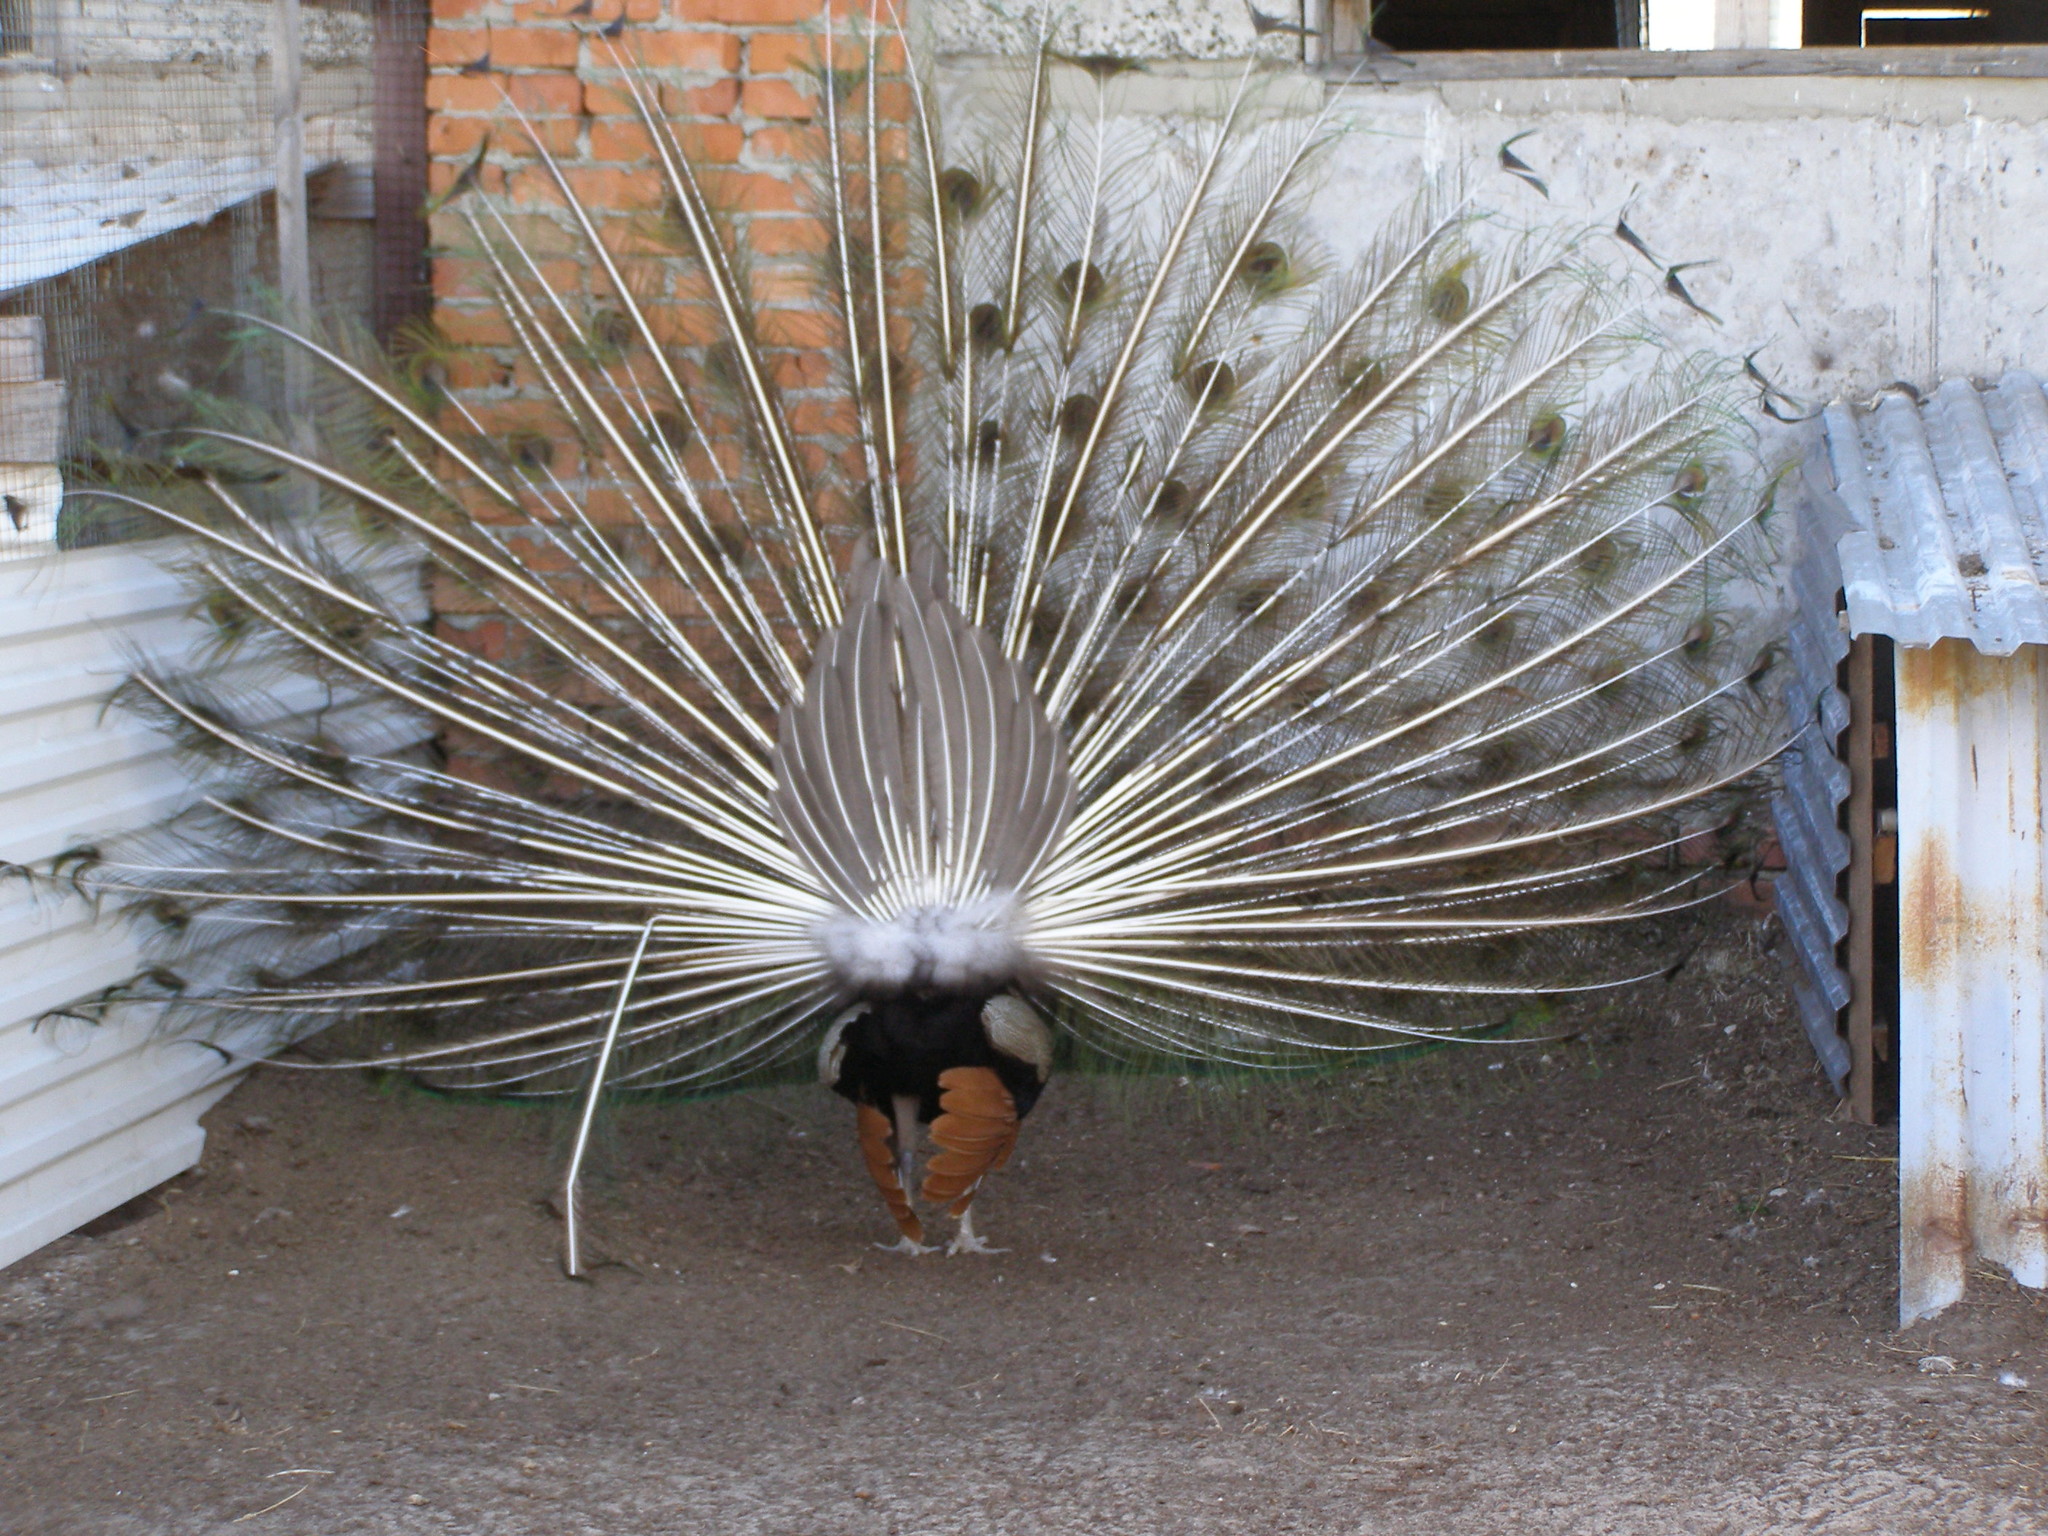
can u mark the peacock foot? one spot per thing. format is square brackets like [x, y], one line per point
[908, 1246]
[967, 1240]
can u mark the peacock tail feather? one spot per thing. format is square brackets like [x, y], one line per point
[1253, 653]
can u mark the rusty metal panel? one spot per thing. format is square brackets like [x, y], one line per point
[1973, 1038]
[1950, 497]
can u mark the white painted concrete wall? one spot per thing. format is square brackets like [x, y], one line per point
[1862, 230]
[1857, 230]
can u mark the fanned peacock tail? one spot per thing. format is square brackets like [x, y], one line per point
[1251, 654]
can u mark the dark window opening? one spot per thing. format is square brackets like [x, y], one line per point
[14, 26]
[1923, 23]
[1432, 26]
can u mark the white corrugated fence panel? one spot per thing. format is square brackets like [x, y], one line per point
[90, 1114]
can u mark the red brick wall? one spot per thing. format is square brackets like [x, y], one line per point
[735, 78]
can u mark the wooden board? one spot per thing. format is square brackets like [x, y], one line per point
[21, 349]
[31, 422]
[30, 495]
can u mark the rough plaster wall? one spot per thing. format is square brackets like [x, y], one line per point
[1134, 29]
[1857, 230]
[1860, 230]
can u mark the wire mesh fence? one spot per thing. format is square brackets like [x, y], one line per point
[141, 147]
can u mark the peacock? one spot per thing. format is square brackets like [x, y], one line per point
[1098, 615]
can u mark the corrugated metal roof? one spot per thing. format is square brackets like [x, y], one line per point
[1949, 497]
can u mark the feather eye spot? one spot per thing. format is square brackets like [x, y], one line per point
[1253, 597]
[229, 616]
[1306, 692]
[731, 540]
[1699, 640]
[1495, 634]
[1082, 279]
[611, 331]
[1172, 501]
[988, 442]
[1088, 703]
[1599, 558]
[1499, 760]
[1449, 299]
[724, 366]
[531, 451]
[1210, 384]
[1695, 736]
[961, 191]
[1264, 268]
[672, 430]
[1306, 500]
[985, 325]
[1364, 378]
[1043, 629]
[1613, 688]
[1689, 484]
[1545, 439]
[1444, 496]
[1762, 667]
[1077, 416]
[1365, 603]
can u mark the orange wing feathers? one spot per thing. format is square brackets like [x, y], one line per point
[878, 1148]
[975, 1131]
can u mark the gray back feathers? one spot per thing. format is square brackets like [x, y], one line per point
[917, 769]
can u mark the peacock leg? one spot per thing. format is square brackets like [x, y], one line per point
[967, 1240]
[905, 1106]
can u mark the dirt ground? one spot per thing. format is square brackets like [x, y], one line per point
[1637, 1281]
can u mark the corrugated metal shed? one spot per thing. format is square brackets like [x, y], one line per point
[1949, 556]
[1949, 496]
[90, 1114]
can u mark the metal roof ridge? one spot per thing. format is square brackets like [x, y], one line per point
[1948, 494]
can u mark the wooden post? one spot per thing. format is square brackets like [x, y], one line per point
[1315, 31]
[401, 164]
[287, 120]
[1349, 25]
[294, 253]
